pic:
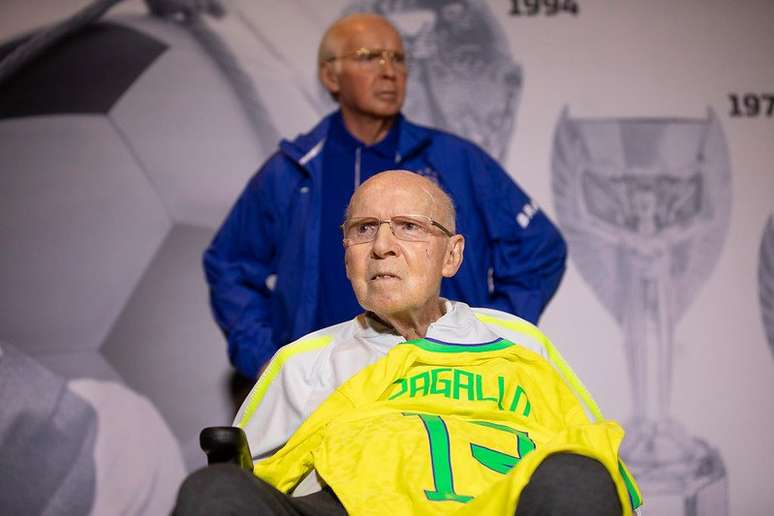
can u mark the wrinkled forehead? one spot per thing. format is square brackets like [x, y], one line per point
[385, 199]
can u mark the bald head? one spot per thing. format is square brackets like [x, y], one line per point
[335, 38]
[398, 274]
[418, 189]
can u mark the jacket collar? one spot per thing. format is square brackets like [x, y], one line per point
[305, 148]
[412, 139]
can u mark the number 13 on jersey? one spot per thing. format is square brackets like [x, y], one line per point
[440, 455]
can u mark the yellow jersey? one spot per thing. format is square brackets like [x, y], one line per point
[440, 428]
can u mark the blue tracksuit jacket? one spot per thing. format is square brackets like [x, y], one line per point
[263, 264]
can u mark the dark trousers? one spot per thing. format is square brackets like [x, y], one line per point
[563, 485]
[228, 490]
[566, 484]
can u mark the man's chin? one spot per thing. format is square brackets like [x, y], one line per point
[387, 109]
[384, 306]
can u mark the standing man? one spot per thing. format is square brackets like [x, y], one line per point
[272, 280]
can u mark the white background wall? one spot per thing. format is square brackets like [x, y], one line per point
[636, 58]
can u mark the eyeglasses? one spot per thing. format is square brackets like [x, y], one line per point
[373, 57]
[412, 228]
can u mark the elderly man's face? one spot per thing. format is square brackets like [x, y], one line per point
[367, 88]
[392, 276]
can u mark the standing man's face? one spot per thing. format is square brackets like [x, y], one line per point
[373, 88]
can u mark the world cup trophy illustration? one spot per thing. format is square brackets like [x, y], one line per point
[766, 281]
[644, 205]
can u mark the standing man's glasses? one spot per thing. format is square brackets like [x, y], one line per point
[412, 228]
[374, 57]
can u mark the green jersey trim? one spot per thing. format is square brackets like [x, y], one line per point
[438, 346]
[634, 493]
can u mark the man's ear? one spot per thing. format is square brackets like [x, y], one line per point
[453, 259]
[329, 78]
[346, 262]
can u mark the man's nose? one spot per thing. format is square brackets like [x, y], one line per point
[385, 243]
[388, 67]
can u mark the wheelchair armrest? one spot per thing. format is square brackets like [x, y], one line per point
[226, 444]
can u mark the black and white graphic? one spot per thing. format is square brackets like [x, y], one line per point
[644, 205]
[766, 281]
[115, 176]
[80, 446]
[123, 147]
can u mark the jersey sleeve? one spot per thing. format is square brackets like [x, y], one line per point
[289, 465]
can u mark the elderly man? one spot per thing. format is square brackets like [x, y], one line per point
[272, 274]
[416, 406]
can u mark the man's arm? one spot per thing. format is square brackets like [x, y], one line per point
[280, 400]
[237, 264]
[528, 252]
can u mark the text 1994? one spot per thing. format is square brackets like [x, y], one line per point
[544, 7]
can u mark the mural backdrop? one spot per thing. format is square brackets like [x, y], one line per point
[644, 129]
